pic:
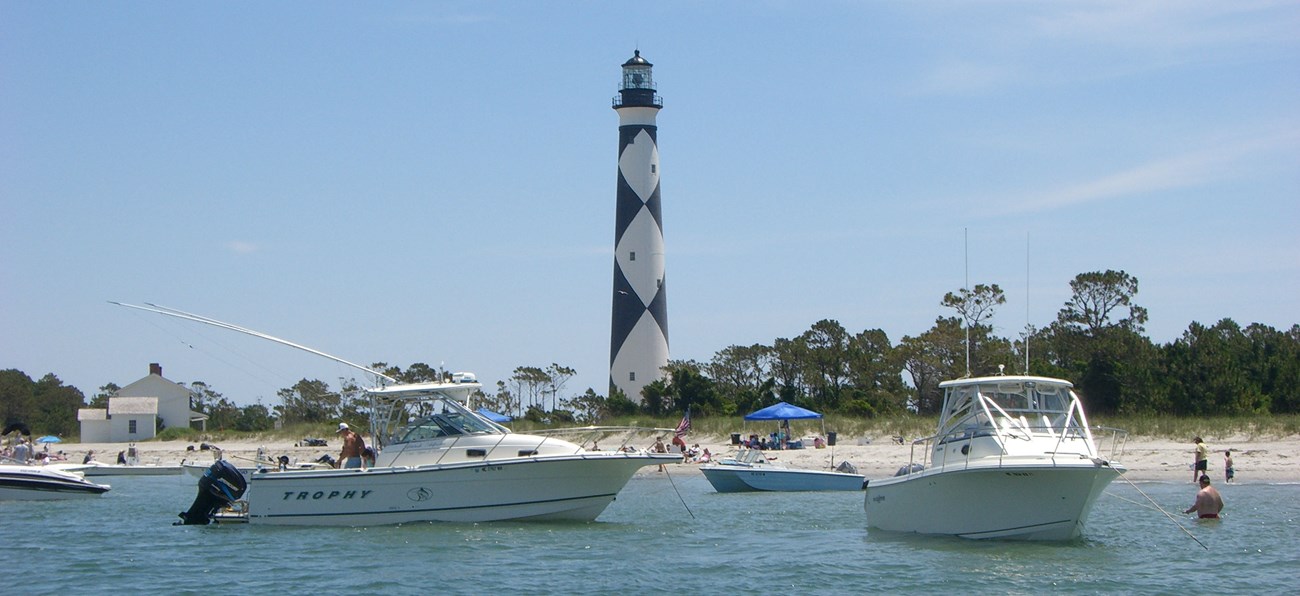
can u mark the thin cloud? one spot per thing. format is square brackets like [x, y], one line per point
[1025, 44]
[1149, 24]
[242, 247]
[1180, 171]
[963, 78]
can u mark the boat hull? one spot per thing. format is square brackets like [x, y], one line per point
[576, 487]
[1023, 501]
[735, 479]
[25, 483]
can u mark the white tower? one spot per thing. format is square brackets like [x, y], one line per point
[639, 333]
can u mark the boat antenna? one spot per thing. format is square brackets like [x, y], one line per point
[965, 241]
[180, 314]
[1029, 327]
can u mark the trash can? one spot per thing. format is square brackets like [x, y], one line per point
[735, 438]
[830, 439]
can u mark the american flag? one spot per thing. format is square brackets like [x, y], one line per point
[684, 426]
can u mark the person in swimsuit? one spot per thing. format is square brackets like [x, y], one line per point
[1208, 501]
[350, 456]
[1228, 472]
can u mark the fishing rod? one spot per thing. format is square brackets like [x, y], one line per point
[180, 314]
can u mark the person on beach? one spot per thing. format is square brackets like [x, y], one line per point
[90, 456]
[22, 453]
[1228, 472]
[1208, 501]
[1202, 462]
[659, 448]
[350, 456]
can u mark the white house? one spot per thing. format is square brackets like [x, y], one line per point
[134, 411]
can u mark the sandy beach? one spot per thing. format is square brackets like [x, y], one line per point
[1256, 460]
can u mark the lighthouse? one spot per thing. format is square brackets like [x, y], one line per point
[638, 348]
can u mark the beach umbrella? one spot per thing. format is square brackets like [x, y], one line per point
[49, 439]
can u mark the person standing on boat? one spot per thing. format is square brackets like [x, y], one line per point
[1208, 501]
[350, 457]
[1202, 462]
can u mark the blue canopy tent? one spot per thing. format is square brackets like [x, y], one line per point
[785, 411]
[493, 416]
[782, 411]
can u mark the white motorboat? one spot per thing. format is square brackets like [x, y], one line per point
[750, 471]
[438, 461]
[1013, 458]
[42, 483]
[198, 469]
[101, 469]
[129, 464]
[262, 462]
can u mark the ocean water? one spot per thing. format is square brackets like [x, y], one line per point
[664, 534]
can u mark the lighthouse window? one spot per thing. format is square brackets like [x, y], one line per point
[631, 376]
[653, 167]
[631, 256]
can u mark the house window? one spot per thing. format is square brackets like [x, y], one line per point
[631, 376]
[130, 427]
[631, 256]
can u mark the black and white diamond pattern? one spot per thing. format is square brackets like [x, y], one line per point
[639, 333]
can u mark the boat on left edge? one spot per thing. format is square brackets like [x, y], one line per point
[44, 483]
[438, 460]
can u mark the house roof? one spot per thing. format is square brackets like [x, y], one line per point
[132, 405]
[92, 414]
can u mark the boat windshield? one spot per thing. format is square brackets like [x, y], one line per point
[448, 424]
[433, 418]
[1040, 401]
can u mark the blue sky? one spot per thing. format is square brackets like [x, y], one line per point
[434, 182]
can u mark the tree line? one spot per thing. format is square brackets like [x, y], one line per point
[1096, 341]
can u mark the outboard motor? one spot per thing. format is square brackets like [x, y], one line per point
[220, 486]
